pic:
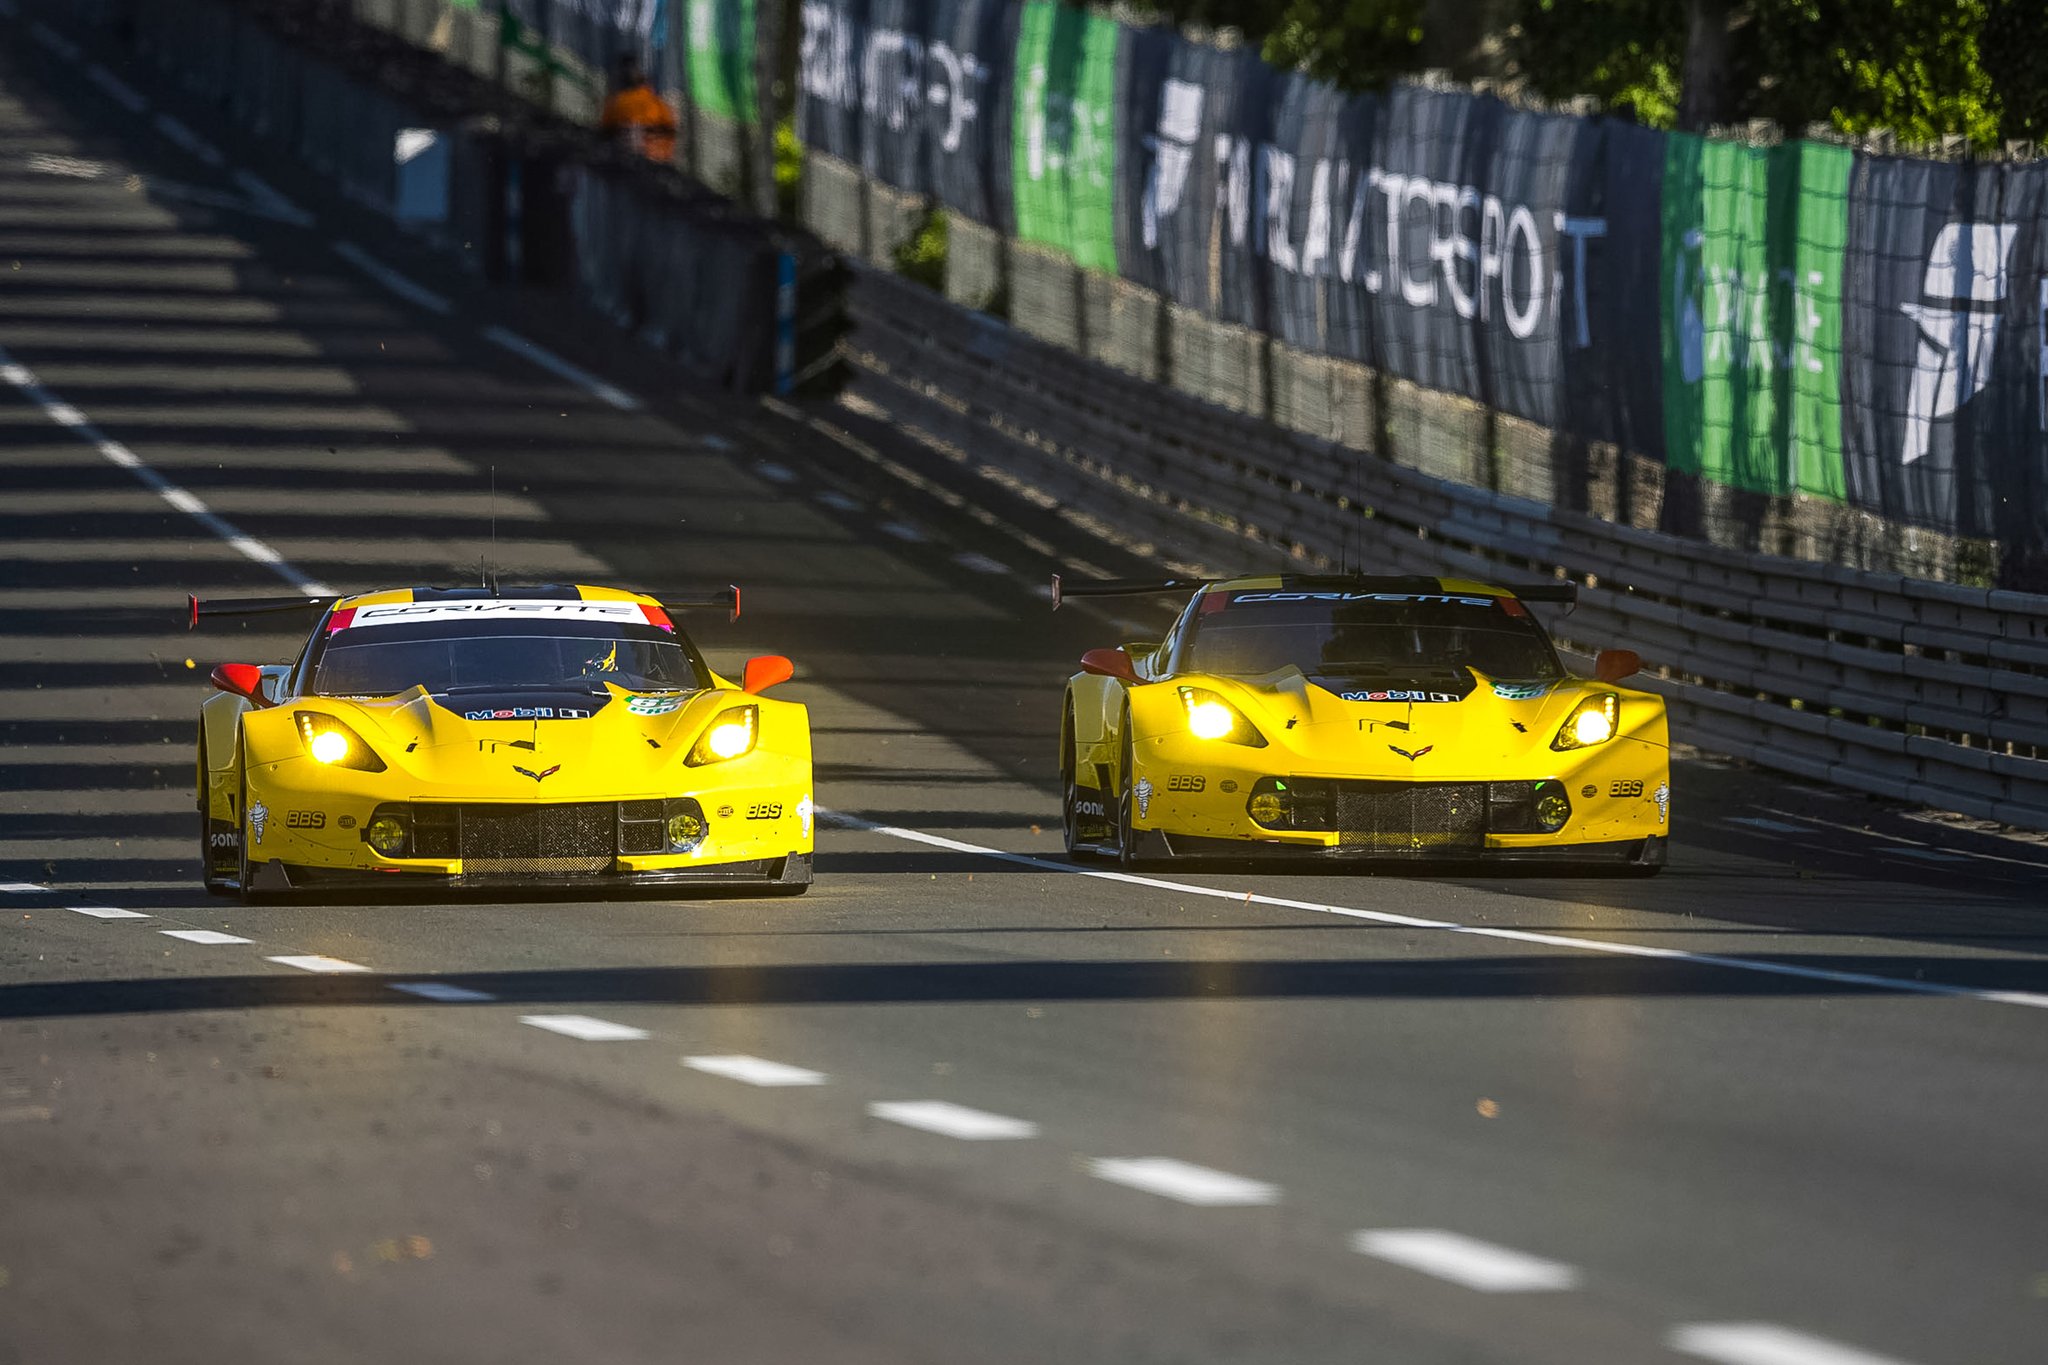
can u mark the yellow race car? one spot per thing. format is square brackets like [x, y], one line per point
[1359, 717]
[536, 736]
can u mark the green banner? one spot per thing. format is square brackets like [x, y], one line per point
[1753, 244]
[1063, 164]
[721, 58]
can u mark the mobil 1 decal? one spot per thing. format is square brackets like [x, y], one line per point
[1753, 247]
[1946, 322]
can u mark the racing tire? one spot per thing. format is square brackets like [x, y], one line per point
[1127, 855]
[245, 889]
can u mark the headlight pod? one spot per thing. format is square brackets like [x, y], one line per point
[1593, 721]
[1211, 717]
[731, 733]
[329, 741]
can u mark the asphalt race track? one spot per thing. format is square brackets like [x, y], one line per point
[1780, 1106]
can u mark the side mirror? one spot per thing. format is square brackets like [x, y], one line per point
[1109, 663]
[1612, 665]
[764, 671]
[243, 680]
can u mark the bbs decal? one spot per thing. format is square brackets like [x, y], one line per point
[305, 819]
[1626, 787]
[767, 810]
[1186, 782]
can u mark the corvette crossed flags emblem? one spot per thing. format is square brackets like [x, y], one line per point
[536, 776]
[1411, 757]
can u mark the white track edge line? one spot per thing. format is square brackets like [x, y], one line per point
[392, 280]
[555, 365]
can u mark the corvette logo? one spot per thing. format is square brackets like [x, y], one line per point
[1411, 757]
[536, 776]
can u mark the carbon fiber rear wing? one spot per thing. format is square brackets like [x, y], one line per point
[1122, 587]
[248, 606]
[1564, 592]
[727, 597]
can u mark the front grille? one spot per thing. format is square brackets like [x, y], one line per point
[528, 841]
[1389, 815]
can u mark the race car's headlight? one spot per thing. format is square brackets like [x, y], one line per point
[730, 734]
[328, 741]
[1211, 717]
[386, 834]
[1592, 721]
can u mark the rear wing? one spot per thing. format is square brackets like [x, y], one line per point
[1122, 587]
[726, 598]
[248, 606]
[1567, 593]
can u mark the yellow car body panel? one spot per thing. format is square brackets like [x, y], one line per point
[261, 788]
[1134, 759]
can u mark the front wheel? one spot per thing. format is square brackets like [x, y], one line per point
[1079, 846]
[214, 835]
[1126, 798]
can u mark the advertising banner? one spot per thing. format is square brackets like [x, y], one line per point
[1063, 152]
[720, 48]
[1753, 247]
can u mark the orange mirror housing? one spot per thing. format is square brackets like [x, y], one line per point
[764, 671]
[243, 680]
[1612, 665]
[1109, 663]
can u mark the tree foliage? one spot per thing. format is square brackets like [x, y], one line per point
[1357, 44]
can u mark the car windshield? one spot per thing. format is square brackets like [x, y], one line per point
[382, 663]
[1355, 634]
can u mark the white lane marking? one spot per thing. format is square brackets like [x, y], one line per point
[392, 280]
[838, 501]
[775, 473]
[443, 992]
[105, 912]
[118, 90]
[1763, 1343]
[64, 415]
[1464, 1260]
[586, 1028]
[21, 888]
[1764, 822]
[1180, 1180]
[314, 962]
[904, 531]
[176, 130]
[554, 364]
[2030, 999]
[208, 936]
[713, 441]
[953, 1120]
[1932, 855]
[968, 559]
[269, 201]
[755, 1070]
[53, 40]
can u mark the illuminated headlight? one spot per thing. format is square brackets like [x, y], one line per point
[1592, 721]
[386, 834]
[729, 735]
[328, 741]
[1211, 717]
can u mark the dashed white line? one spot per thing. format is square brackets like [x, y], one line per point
[53, 40]
[183, 136]
[904, 531]
[392, 280]
[118, 90]
[1789, 970]
[314, 962]
[838, 501]
[1764, 822]
[586, 1028]
[1763, 1343]
[554, 364]
[1930, 855]
[105, 912]
[953, 1120]
[775, 473]
[1190, 1184]
[711, 440]
[64, 415]
[1465, 1260]
[968, 559]
[755, 1070]
[267, 200]
[21, 888]
[443, 992]
[208, 936]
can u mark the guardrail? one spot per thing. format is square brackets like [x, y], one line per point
[1925, 692]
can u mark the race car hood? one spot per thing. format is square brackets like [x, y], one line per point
[1466, 723]
[578, 744]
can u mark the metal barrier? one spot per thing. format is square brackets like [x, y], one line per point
[1925, 692]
